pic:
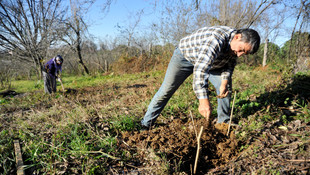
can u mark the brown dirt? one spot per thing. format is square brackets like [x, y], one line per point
[283, 149]
[178, 141]
[275, 148]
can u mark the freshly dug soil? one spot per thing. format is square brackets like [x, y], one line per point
[178, 142]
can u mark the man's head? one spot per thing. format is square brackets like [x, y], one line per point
[59, 60]
[245, 41]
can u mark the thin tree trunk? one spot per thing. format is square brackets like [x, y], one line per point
[265, 53]
[79, 53]
[81, 62]
[292, 35]
[106, 66]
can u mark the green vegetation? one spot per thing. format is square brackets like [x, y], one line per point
[78, 134]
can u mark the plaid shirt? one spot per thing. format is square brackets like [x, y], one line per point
[207, 49]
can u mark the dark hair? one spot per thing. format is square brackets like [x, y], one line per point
[59, 58]
[250, 36]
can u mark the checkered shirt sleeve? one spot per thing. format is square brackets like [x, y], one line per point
[201, 48]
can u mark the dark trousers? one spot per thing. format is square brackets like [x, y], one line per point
[49, 83]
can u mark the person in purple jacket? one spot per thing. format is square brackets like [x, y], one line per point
[52, 70]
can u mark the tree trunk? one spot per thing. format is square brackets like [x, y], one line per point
[265, 53]
[106, 66]
[79, 50]
[82, 63]
[39, 67]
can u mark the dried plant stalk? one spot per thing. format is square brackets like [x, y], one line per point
[231, 114]
[198, 149]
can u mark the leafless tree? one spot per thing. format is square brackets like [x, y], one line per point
[271, 21]
[261, 8]
[78, 26]
[106, 5]
[302, 19]
[236, 13]
[179, 18]
[130, 29]
[29, 27]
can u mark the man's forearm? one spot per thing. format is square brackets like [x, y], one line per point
[205, 107]
[204, 102]
[224, 83]
[223, 89]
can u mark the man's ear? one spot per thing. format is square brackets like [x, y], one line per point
[237, 36]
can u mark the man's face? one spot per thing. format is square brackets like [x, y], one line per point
[239, 47]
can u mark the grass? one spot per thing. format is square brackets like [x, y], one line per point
[63, 133]
[23, 86]
[124, 123]
[82, 130]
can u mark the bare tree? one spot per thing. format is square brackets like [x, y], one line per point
[106, 5]
[130, 30]
[78, 27]
[178, 18]
[302, 19]
[271, 21]
[236, 13]
[262, 7]
[29, 28]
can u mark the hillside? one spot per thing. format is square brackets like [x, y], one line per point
[95, 129]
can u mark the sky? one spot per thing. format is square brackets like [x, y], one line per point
[121, 11]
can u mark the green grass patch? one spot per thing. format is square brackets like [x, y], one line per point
[57, 129]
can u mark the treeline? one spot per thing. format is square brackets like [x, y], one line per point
[289, 56]
[130, 59]
[121, 59]
[34, 31]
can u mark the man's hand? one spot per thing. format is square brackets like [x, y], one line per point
[205, 108]
[223, 89]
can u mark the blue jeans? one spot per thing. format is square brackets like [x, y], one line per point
[177, 72]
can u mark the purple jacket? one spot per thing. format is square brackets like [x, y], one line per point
[52, 68]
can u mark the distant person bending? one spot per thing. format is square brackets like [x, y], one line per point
[52, 70]
[210, 54]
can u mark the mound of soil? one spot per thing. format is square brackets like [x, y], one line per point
[177, 141]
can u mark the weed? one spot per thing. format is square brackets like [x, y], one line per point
[124, 123]
[266, 118]
[248, 108]
[7, 162]
[3, 101]
[284, 119]
[243, 147]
